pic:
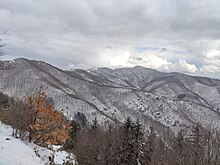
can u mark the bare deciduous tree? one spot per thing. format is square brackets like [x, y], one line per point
[2, 44]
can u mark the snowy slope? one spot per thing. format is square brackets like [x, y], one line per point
[15, 152]
[154, 98]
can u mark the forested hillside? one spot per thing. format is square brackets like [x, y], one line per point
[37, 123]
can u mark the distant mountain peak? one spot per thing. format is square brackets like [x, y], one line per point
[154, 98]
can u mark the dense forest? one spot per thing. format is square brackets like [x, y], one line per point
[126, 143]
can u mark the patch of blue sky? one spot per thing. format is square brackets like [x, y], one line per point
[181, 52]
[141, 49]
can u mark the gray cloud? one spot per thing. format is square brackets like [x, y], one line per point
[185, 34]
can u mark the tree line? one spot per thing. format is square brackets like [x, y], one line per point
[128, 144]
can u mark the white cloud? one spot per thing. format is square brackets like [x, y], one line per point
[183, 66]
[184, 34]
[187, 67]
[78, 66]
[156, 61]
[209, 69]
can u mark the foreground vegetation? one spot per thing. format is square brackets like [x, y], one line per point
[120, 144]
[127, 144]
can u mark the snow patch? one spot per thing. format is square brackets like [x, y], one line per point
[16, 152]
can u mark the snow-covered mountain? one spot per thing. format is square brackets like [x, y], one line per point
[154, 98]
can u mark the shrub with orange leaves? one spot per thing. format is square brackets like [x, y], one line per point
[47, 126]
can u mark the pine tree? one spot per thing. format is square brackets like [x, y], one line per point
[179, 145]
[139, 142]
[195, 139]
[94, 125]
[149, 147]
[73, 132]
[127, 150]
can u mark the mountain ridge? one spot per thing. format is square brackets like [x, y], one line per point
[172, 100]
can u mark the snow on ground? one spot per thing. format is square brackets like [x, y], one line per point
[16, 152]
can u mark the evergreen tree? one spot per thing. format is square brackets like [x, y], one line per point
[139, 142]
[195, 139]
[94, 125]
[149, 148]
[73, 132]
[180, 143]
[127, 150]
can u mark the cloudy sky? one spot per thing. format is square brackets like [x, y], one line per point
[168, 35]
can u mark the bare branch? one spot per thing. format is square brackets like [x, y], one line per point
[2, 44]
